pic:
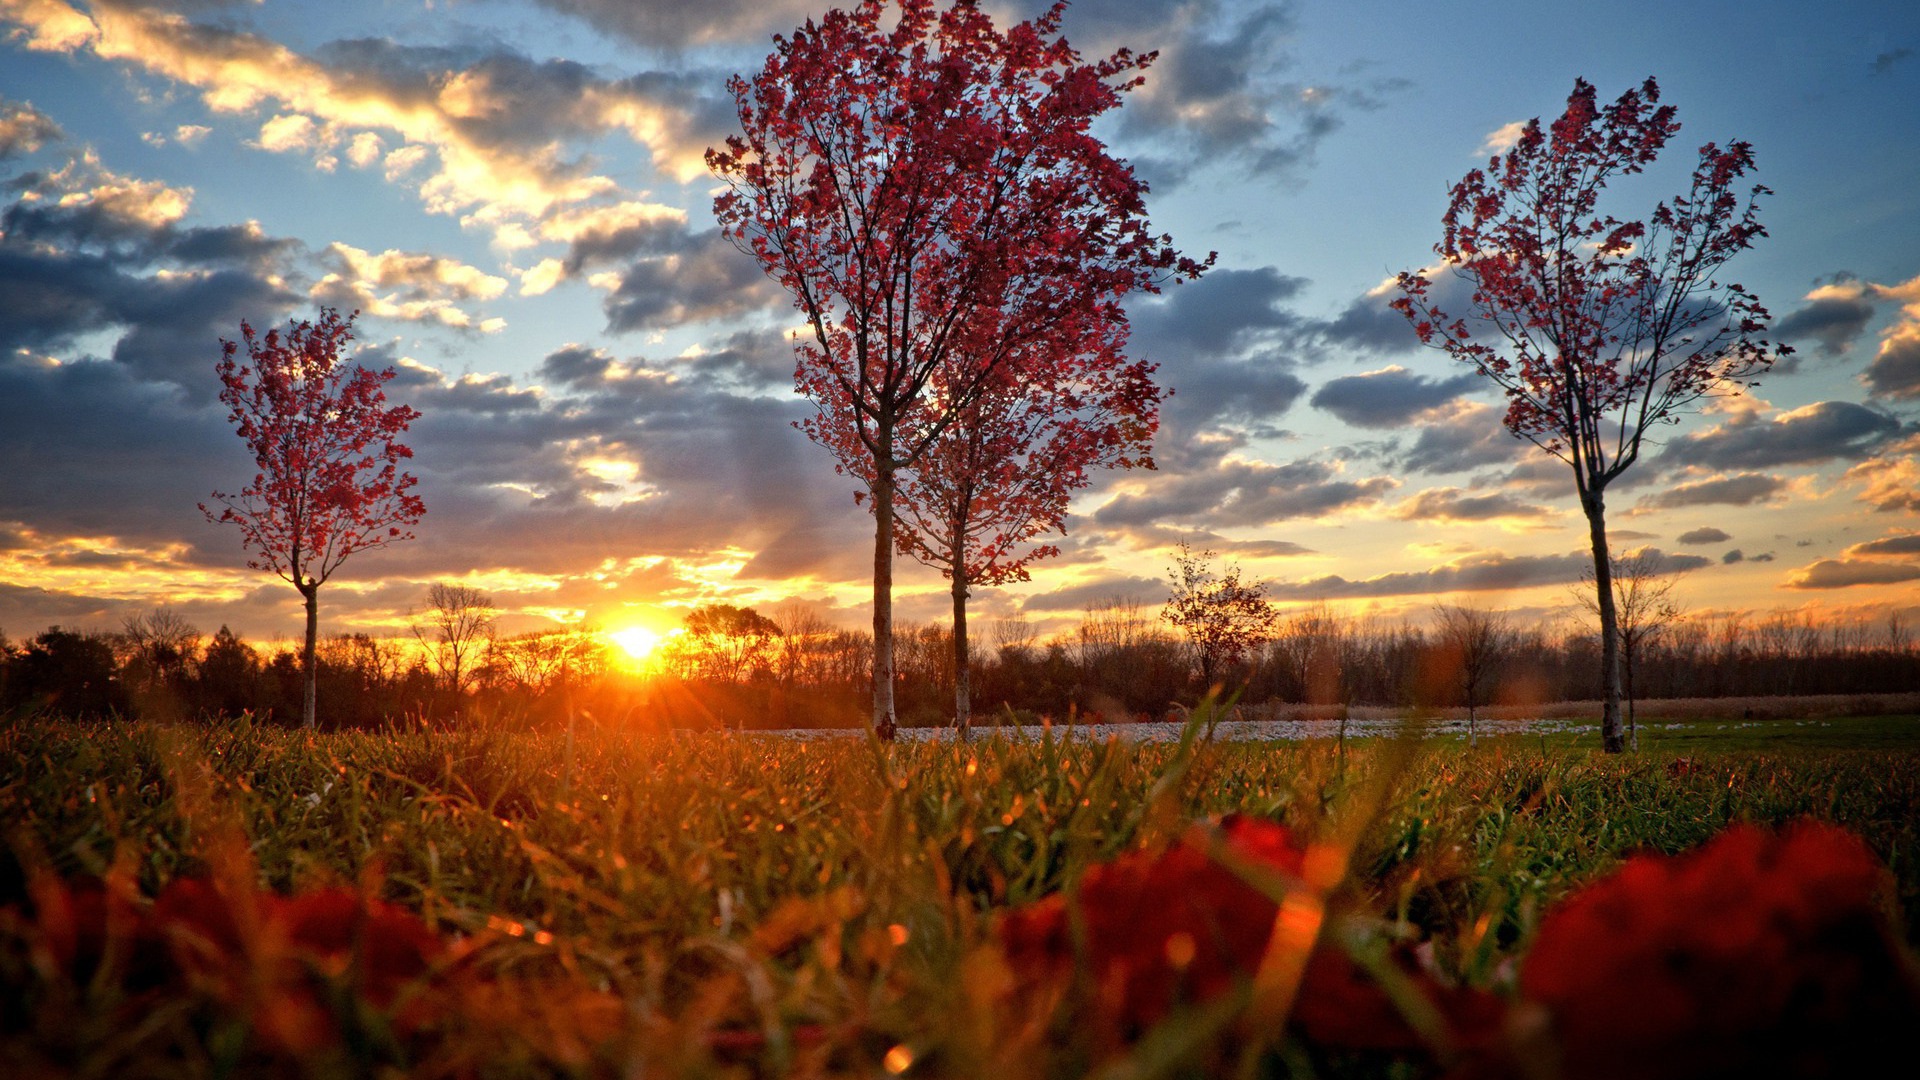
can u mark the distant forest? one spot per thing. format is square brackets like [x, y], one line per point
[735, 668]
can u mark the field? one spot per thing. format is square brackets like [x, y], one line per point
[617, 903]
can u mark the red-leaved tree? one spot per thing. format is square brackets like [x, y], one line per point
[327, 447]
[930, 194]
[1003, 473]
[1597, 329]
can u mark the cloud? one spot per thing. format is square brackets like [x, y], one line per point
[1503, 138]
[1488, 572]
[1237, 493]
[1482, 572]
[1899, 545]
[500, 125]
[1704, 535]
[89, 254]
[707, 279]
[1469, 437]
[1846, 573]
[409, 286]
[24, 129]
[1389, 397]
[1167, 536]
[1085, 594]
[1821, 432]
[1737, 556]
[1835, 315]
[1226, 90]
[1895, 371]
[677, 24]
[1455, 504]
[1740, 489]
[1891, 480]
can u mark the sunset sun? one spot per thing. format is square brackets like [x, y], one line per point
[637, 642]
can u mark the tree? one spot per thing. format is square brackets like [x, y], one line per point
[1223, 617]
[1475, 641]
[327, 447]
[1004, 472]
[229, 676]
[1644, 609]
[933, 199]
[459, 623]
[726, 643]
[1598, 329]
[160, 643]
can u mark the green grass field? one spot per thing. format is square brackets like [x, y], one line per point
[716, 905]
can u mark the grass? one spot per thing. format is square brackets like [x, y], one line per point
[784, 889]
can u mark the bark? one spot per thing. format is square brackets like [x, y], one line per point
[309, 713]
[1612, 737]
[884, 724]
[962, 661]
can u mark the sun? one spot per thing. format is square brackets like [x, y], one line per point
[637, 642]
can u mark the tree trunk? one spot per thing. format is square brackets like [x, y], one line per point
[962, 661]
[884, 724]
[1612, 738]
[309, 712]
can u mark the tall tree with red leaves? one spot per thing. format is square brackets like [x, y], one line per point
[1597, 329]
[1003, 473]
[327, 447]
[931, 195]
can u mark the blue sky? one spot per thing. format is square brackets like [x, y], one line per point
[512, 194]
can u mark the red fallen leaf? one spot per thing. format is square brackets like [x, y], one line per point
[1160, 929]
[1341, 1006]
[1178, 927]
[1758, 954]
[84, 924]
[391, 947]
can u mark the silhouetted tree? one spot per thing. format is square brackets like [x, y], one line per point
[725, 643]
[454, 630]
[1475, 641]
[64, 673]
[228, 680]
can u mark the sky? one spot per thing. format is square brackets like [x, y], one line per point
[513, 194]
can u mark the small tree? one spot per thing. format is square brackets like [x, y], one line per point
[1476, 641]
[1224, 618]
[327, 447]
[1003, 474]
[1598, 329]
[458, 624]
[161, 642]
[932, 196]
[1644, 609]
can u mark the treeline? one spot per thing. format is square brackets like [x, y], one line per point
[735, 668]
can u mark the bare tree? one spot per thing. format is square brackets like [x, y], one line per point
[455, 630]
[1012, 636]
[1476, 641]
[159, 646]
[1310, 647]
[1644, 608]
